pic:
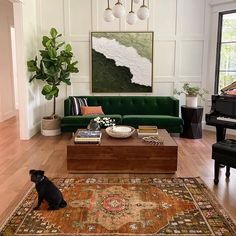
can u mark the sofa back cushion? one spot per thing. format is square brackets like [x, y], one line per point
[132, 105]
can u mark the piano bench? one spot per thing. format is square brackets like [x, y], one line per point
[224, 152]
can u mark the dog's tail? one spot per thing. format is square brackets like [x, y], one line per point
[63, 203]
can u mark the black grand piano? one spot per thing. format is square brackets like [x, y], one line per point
[223, 111]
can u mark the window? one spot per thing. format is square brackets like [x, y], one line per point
[226, 50]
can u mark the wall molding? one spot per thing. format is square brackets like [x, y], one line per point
[219, 2]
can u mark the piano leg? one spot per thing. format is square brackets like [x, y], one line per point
[217, 167]
[220, 133]
[227, 171]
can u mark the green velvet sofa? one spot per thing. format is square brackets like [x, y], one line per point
[128, 110]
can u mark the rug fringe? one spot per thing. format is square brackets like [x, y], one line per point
[216, 202]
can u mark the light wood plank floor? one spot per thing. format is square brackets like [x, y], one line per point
[49, 154]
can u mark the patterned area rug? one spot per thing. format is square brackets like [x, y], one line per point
[118, 206]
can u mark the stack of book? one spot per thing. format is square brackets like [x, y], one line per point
[146, 130]
[87, 136]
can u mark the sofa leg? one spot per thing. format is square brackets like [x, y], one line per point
[217, 167]
[227, 171]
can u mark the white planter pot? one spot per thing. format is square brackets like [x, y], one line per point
[51, 126]
[191, 101]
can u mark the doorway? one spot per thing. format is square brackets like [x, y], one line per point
[7, 95]
[12, 64]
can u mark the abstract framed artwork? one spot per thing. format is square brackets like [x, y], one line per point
[122, 62]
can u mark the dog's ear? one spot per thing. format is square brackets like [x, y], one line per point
[41, 172]
[31, 172]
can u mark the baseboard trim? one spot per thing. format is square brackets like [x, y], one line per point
[34, 130]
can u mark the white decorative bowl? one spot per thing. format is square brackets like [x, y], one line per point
[120, 131]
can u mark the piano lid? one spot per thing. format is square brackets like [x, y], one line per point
[230, 89]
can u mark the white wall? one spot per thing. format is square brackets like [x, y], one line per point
[14, 66]
[180, 44]
[7, 102]
[26, 47]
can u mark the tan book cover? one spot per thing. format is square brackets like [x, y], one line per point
[147, 129]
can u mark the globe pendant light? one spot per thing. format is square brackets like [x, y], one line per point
[143, 12]
[131, 17]
[118, 10]
[108, 15]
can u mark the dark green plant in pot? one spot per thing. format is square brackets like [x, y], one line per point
[54, 67]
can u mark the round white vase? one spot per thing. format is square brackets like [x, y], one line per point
[191, 101]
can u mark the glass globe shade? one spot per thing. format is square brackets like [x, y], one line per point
[108, 15]
[143, 13]
[118, 10]
[131, 18]
[136, 1]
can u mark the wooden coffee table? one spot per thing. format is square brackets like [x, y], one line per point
[131, 155]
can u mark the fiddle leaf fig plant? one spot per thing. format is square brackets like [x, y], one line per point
[54, 67]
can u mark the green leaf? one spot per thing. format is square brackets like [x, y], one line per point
[32, 66]
[46, 89]
[45, 40]
[48, 43]
[74, 63]
[67, 81]
[68, 48]
[48, 96]
[60, 44]
[59, 35]
[31, 63]
[55, 91]
[53, 32]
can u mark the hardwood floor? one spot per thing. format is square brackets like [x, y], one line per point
[49, 153]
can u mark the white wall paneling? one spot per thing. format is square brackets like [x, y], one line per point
[52, 16]
[165, 13]
[191, 53]
[164, 88]
[80, 17]
[179, 38]
[164, 58]
[193, 17]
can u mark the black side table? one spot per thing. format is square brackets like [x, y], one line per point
[192, 122]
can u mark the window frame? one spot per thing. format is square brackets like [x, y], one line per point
[218, 47]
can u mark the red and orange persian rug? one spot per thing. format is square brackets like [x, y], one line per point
[118, 206]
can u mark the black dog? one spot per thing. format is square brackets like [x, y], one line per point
[47, 191]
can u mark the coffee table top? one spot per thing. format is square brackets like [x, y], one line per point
[131, 141]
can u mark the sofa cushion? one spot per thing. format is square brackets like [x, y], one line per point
[76, 104]
[171, 123]
[83, 121]
[91, 110]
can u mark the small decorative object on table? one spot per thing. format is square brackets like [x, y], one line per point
[147, 130]
[93, 125]
[192, 93]
[120, 131]
[155, 140]
[87, 136]
[98, 122]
